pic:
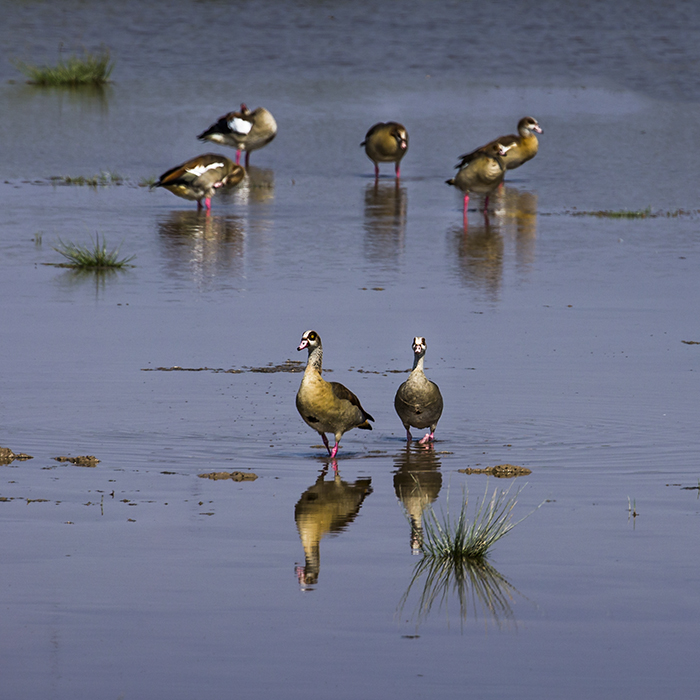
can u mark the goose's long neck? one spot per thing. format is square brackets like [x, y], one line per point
[418, 362]
[315, 361]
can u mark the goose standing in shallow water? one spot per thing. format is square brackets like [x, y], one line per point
[327, 407]
[386, 143]
[418, 401]
[520, 148]
[199, 178]
[480, 175]
[245, 131]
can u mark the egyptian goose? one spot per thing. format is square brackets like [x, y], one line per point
[245, 131]
[521, 148]
[199, 178]
[327, 407]
[386, 143]
[480, 175]
[418, 401]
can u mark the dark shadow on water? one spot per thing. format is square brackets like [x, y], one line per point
[417, 483]
[325, 508]
[201, 245]
[385, 205]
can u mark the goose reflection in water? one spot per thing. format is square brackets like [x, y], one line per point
[479, 589]
[258, 187]
[417, 483]
[385, 221]
[327, 507]
[480, 251]
[202, 245]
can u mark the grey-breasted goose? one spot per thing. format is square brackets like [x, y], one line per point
[418, 401]
[327, 407]
[480, 175]
[199, 178]
[244, 130]
[386, 143]
[521, 146]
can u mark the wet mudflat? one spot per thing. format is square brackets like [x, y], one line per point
[562, 344]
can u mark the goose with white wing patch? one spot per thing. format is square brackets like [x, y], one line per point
[520, 147]
[245, 130]
[199, 178]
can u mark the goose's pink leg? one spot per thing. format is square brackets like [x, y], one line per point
[466, 204]
[238, 157]
[207, 202]
[398, 170]
[409, 437]
[486, 203]
[335, 450]
[376, 171]
[429, 437]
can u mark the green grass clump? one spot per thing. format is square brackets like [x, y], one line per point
[90, 69]
[95, 257]
[104, 179]
[620, 214]
[454, 562]
[463, 537]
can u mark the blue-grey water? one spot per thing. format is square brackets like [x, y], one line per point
[565, 344]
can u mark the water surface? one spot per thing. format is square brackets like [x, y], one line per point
[557, 341]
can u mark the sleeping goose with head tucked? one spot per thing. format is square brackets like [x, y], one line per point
[327, 407]
[201, 177]
[245, 130]
[386, 143]
[480, 175]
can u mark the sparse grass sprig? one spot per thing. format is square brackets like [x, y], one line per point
[90, 69]
[454, 563]
[94, 257]
[619, 214]
[104, 179]
[461, 537]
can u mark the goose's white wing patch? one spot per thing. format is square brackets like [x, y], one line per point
[240, 126]
[201, 169]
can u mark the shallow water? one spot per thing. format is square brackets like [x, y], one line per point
[557, 341]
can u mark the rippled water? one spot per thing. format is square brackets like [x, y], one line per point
[557, 341]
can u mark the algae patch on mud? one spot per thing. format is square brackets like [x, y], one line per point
[500, 471]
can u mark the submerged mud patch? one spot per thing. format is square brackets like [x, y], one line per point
[234, 476]
[7, 456]
[500, 471]
[81, 461]
[271, 368]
